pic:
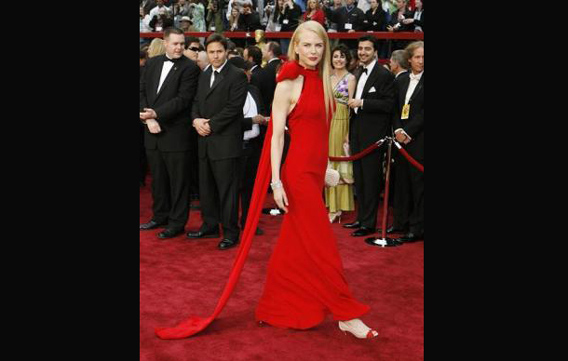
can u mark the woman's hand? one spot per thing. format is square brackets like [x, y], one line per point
[280, 198]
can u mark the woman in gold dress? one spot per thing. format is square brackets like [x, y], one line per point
[340, 198]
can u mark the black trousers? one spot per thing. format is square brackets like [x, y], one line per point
[218, 195]
[170, 186]
[248, 165]
[409, 196]
[194, 164]
[368, 174]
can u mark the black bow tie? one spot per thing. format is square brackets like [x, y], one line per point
[172, 60]
[364, 71]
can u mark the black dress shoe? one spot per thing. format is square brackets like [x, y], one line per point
[363, 231]
[227, 243]
[382, 242]
[355, 224]
[411, 237]
[151, 225]
[170, 233]
[201, 234]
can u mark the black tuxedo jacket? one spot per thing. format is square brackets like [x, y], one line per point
[414, 125]
[172, 104]
[256, 77]
[373, 121]
[268, 85]
[223, 105]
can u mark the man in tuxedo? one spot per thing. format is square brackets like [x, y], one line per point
[371, 113]
[408, 122]
[253, 56]
[268, 83]
[217, 114]
[167, 89]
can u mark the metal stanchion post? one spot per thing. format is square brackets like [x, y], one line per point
[383, 241]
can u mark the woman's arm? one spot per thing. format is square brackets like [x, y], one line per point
[351, 83]
[280, 107]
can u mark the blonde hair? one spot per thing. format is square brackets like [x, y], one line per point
[410, 49]
[324, 64]
[156, 48]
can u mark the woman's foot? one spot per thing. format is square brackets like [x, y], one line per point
[357, 328]
[334, 215]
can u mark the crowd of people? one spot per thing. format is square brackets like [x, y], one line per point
[285, 15]
[371, 101]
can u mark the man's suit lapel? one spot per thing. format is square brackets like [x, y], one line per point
[417, 89]
[204, 83]
[156, 76]
[169, 77]
[405, 85]
[371, 79]
[218, 78]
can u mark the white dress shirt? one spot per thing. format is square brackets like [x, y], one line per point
[213, 70]
[165, 70]
[249, 111]
[414, 79]
[362, 81]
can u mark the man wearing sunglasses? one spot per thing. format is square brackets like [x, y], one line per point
[192, 47]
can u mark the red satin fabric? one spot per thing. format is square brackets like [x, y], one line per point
[305, 275]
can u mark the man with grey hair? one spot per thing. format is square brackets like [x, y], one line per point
[398, 63]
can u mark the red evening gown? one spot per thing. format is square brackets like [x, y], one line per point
[305, 275]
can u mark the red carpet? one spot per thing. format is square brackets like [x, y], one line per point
[179, 277]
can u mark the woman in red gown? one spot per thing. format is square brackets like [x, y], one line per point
[305, 275]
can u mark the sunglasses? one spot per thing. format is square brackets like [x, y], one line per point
[193, 48]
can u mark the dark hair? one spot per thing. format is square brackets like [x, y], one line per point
[216, 38]
[191, 39]
[172, 30]
[274, 47]
[238, 62]
[344, 50]
[256, 54]
[370, 38]
[142, 54]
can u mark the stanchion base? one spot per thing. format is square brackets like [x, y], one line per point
[383, 242]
